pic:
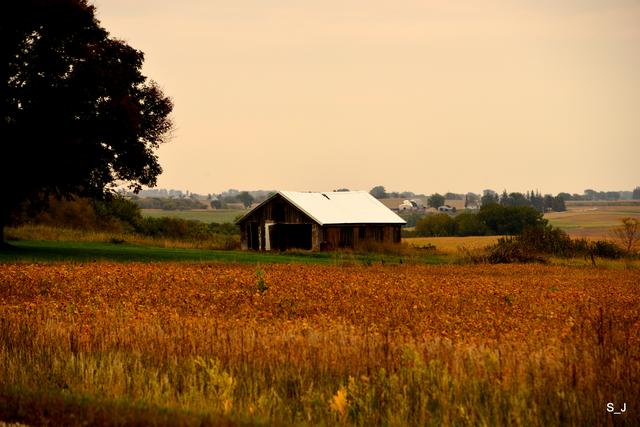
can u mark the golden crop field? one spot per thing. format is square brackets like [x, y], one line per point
[592, 221]
[449, 245]
[210, 344]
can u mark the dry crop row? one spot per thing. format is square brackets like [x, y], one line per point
[525, 345]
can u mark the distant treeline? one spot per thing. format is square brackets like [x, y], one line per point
[380, 192]
[531, 199]
[168, 204]
[188, 201]
[491, 219]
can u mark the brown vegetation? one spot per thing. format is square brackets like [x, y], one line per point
[398, 345]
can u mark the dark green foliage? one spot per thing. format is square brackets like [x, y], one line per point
[435, 200]
[547, 239]
[493, 219]
[169, 204]
[182, 229]
[245, 198]
[118, 208]
[411, 217]
[438, 225]
[510, 250]
[489, 197]
[379, 192]
[115, 213]
[514, 199]
[557, 204]
[534, 243]
[469, 224]
[636, 193]
[605, 249]
[509, 220]
[76, 113]
[118, 214]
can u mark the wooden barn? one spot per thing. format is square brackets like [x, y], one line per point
[318, 221]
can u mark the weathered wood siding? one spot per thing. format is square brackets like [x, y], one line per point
[275, 211]
[353, 235]
[265, 228]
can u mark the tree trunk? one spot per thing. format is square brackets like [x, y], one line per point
[3, 223]
[3, 245]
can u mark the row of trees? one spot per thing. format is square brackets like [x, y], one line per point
[531, 199]
[492, 219]
[379, 192]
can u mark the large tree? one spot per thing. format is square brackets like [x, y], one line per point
[435, 200]
[78, 116]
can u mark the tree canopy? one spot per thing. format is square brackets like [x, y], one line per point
[435, 200]
[77, 114]
[379, 192]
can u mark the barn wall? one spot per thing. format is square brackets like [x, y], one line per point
[350, 236]
[279, 211]
[275, 211]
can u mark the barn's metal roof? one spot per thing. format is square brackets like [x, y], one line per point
[341, 207]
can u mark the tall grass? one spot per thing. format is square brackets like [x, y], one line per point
[321, 345]
[52, 233]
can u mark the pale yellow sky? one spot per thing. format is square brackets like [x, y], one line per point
[414, 95]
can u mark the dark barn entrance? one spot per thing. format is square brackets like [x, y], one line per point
[253, 239]
[290, 236]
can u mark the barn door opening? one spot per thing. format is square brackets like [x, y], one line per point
[293, 236]
[253, 241]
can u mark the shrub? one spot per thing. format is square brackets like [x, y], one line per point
[509, 250]
[605, 249]
[438, 225]
[469, 224]
[510, 220]
[120, 215]
[548, 239]
[411, 217]
[535, 241]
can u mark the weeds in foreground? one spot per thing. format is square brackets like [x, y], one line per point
[360, 345]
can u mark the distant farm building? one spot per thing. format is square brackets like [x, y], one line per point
[411, 205]
[446, 208]
[318, 221]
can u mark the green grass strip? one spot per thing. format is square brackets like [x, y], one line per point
[65, 251]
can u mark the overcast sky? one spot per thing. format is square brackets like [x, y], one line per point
[414, 95]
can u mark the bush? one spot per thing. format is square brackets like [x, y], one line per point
[118, 209]
[509, 220]
[604, 249]
[469, 224]
[411, 217]
[491, 220]
[536, 241]
[173, 228]
[549, 240]
[438, 225]
[510, 250]
[119, 215]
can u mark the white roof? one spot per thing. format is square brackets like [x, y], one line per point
[342, 207]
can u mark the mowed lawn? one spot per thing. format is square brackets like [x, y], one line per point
[592, 221]
[208, 216]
